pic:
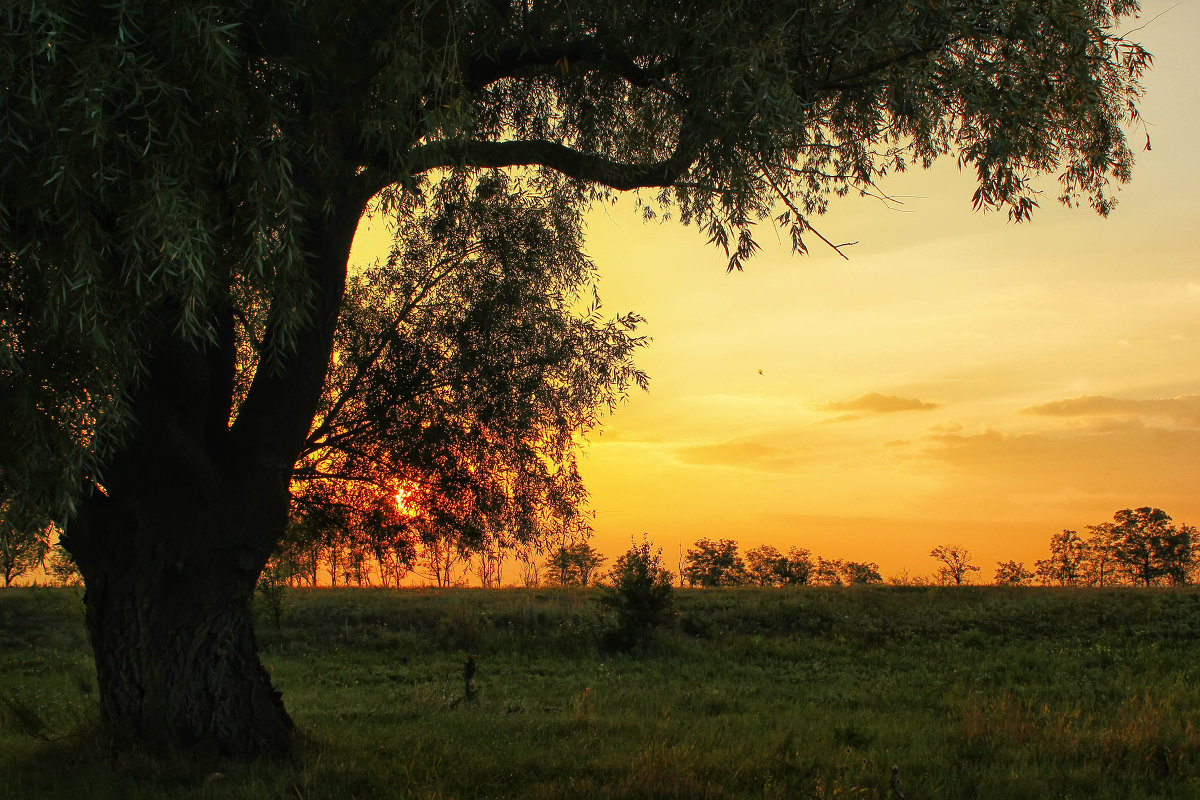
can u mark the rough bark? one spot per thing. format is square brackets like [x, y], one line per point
[176, 658]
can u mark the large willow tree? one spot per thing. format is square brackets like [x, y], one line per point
[162, 162]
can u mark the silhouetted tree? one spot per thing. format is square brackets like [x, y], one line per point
[765, 565]
[169, 168]
[1100, 565]
[858, 573]
[24, 540]
[956, 563]
[1065, 566]
[575, 565]
[716, 563]
[798, 567]
[826, 572]
[1013, 573]
[1150, 548]
[468, 368]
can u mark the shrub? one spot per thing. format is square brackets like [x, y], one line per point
[641, 595]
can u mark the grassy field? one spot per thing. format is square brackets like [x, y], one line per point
[972, 693]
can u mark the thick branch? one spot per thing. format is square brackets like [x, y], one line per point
[570, 162]
[275, 418]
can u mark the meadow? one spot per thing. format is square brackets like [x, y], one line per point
[974, 692]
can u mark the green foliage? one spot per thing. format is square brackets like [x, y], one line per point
[167, 170]
[272, 588]
[180, 185]
[717, 563]
[641, 594]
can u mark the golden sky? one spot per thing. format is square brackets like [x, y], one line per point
[960, 380]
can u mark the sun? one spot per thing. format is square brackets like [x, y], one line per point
[404, 502]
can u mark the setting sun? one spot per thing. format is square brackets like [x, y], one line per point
[404, 502]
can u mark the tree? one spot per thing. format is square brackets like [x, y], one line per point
[827, 572]
[1064, 567]
[1150, 548]
[24, 541]
[716, 563]
[641, 594]
[860, 573]
[1013, 573]
[167, 169]
[798, 570]
[1100, 563]
[956, 564]
[765, 565]
[467, 369]
[575, 564]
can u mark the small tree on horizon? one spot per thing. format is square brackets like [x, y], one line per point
[860, 573]
[956, 564]
[716, 563]
[1064, 567]
[1013, 573]
[575, 564]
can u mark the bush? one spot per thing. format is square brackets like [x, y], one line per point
[641, 595]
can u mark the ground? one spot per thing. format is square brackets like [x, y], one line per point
[978, 692]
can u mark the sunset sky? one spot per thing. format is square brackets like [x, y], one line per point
[960, 380]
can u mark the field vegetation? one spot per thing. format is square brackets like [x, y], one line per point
[972, 692]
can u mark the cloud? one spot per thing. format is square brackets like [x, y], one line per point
[1182, 411]
[874, 403]
[746, 455]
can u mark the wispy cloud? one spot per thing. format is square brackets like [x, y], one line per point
[746, 455]
[1182, 411]
[871, 403]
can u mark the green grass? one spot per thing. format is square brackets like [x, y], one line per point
[973, 693]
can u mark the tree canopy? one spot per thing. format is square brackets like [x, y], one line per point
[169, 168]
[141, 140]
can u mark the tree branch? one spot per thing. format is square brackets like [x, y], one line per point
[573, 163]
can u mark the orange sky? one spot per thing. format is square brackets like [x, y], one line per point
[960, 380]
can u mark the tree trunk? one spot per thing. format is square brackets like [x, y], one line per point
[177, 662]
[191, 507]
[170, 567]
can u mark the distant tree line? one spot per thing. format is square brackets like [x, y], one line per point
[718, 563]
[383, 546]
